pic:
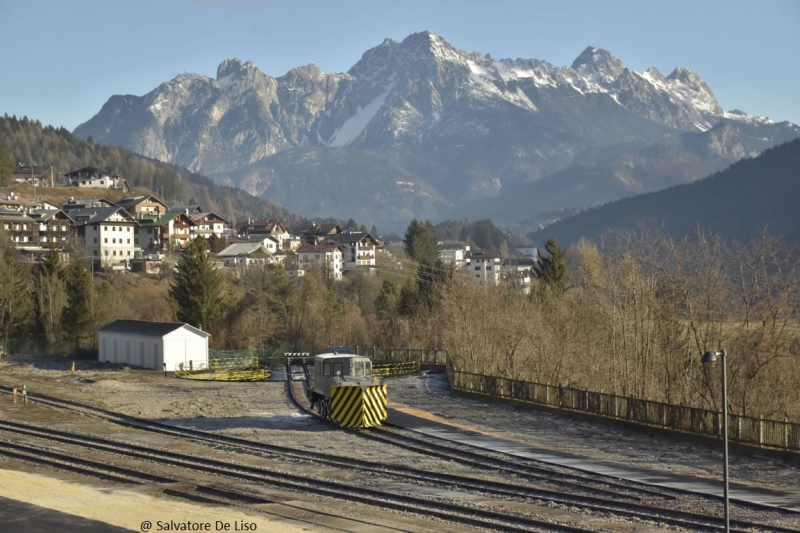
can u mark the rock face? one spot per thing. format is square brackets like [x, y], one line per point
[419, 128]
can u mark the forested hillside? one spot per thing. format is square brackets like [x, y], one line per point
[32, 143]
[738, 203]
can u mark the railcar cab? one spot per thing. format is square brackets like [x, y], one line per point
[340, 369]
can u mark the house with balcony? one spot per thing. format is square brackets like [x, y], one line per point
[145, 204]
[55, 227]
[317, 233]
[325, 256]
[20, 229]
[358, 249]
[94, 178]
[163, 232]
[263, 228]
[484, 266]
[33, 174]
[86, 203]
[12, 202]
[206, 224]
[109, 233]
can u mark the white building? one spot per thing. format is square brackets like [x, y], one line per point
[358, 249]
[245, 253]
[484, 266]
[517, 272]
[94, 178]
[156, 345]
[207, 224]
[109, 233]
[453, 254]
[328, 256]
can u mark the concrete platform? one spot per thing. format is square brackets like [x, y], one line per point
[737, 492]
[21, 517]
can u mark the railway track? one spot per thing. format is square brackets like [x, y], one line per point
[192, 491]
[534, 470]
[438, 508]
[628, 508]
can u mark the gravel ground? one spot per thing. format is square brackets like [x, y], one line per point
[638, 448]
[261, 411]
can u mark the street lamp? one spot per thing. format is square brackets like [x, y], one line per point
[711, 357]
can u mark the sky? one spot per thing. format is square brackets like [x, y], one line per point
[62, 60]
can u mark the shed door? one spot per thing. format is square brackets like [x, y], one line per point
[141, 355]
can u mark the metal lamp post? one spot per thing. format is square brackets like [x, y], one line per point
[711, 357]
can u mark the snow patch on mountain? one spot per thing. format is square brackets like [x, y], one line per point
[353, 126]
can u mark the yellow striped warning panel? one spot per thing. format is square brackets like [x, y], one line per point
[353, 407]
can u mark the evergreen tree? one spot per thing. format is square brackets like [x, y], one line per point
[421, 245]
[387, 304]
[551, 270]
[197, 288]
[420, 242]
[6, 166]
[15, 302]
[77, 318]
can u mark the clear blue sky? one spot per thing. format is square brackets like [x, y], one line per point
[62, 59]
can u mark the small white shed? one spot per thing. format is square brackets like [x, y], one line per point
[157, 345]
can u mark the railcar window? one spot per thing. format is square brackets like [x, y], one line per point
[358, 368]
[337, 369]
[367, 368]
[326, 369]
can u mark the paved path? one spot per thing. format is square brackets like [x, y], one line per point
[21, 517]
[406, 418]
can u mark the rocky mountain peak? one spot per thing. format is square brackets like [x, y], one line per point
[427, 44]
[454, 127]
[654, 74]
[308, 72]
[596, 61]
[232, 71]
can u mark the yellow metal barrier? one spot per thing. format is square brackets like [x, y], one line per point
[353, 407]
[395, 369]
[222, 370]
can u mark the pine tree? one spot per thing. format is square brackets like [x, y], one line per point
[420, 242]
[78, 318]
[552, 270]
[198, 288]
[421, 245]
[6, 166]
[15, 303]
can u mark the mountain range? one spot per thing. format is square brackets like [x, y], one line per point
[421, 129]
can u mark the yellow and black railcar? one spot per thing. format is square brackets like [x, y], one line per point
[343, 388]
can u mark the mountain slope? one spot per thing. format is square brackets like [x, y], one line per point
[739, 202]
[463, 125]
[44, 145]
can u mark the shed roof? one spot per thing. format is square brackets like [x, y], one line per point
[238, 249]
[149, 329]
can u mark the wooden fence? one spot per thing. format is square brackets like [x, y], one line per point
[746, 430]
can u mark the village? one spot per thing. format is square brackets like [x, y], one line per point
[141, 233]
